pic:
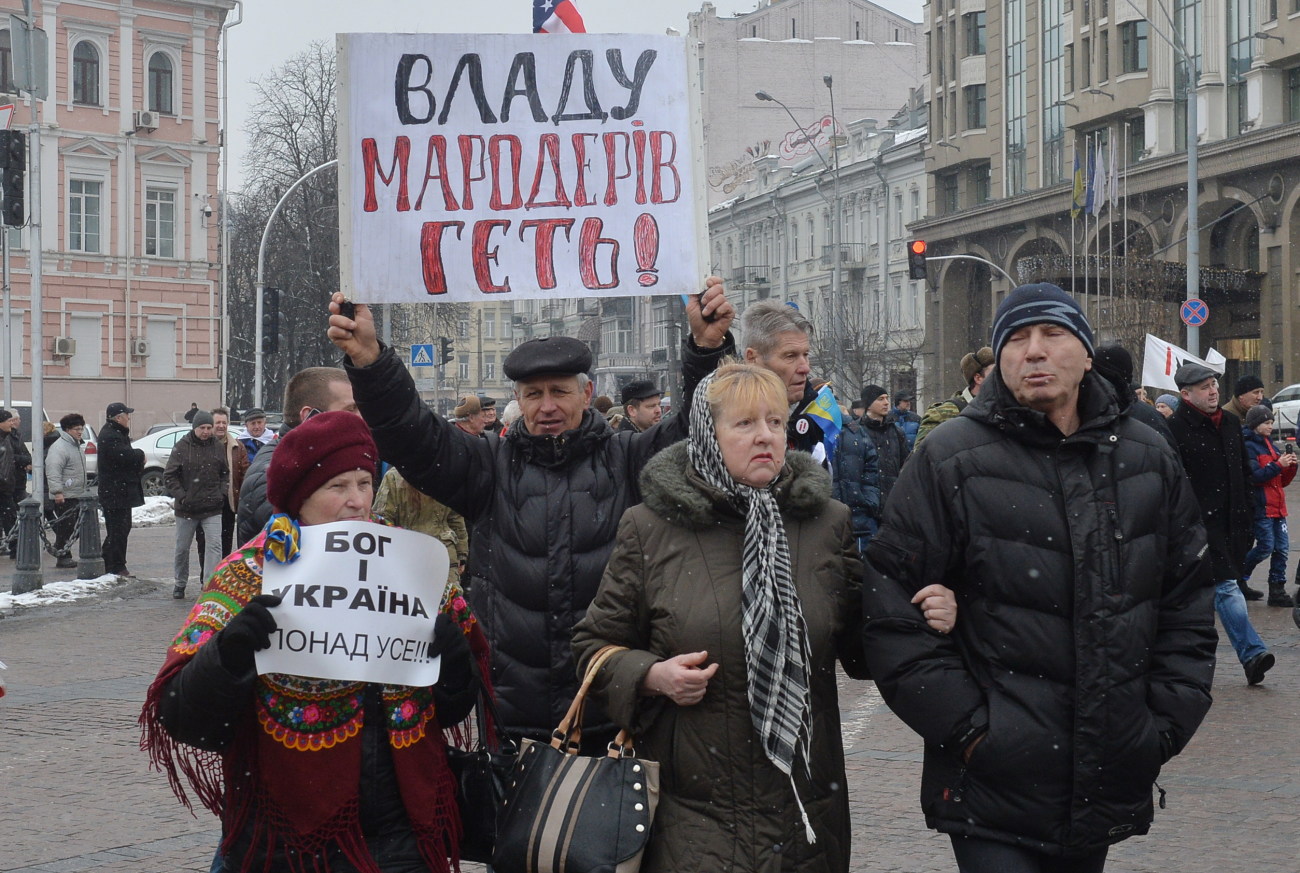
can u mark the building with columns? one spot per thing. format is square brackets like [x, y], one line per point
[1022, 90]
[775, 239]
[129, 153]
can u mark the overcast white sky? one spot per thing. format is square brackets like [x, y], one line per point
[275, 30]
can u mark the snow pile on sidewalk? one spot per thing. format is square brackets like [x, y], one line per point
[155, 512]
[58, 592]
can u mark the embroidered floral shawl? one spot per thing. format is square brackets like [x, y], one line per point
[300, 730]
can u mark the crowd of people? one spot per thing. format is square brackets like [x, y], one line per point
[1029, 570]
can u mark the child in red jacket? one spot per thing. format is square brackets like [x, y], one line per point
[1270, 473]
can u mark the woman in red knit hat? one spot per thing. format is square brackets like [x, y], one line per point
[310, 774]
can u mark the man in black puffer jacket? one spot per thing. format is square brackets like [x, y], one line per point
[1084, 646]
[543, 503]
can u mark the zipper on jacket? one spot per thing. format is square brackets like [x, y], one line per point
[954, 795]
[1114, 558]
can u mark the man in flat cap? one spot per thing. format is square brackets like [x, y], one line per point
[1082, 657]
[491, 424]
[1214, 455]
[255, 433]
[543, 502]
[120, 488]
[641, 409]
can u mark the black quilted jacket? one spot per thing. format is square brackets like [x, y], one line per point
[543, 512]
[1084, 644]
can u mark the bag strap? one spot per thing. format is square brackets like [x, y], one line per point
[485, 706]
[568, 736]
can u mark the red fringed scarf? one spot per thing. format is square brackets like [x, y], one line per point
[294, 765]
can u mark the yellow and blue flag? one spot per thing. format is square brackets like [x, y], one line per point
[1076, 205]
[825, 410]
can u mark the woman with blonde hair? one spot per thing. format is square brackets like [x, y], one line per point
[735, 588]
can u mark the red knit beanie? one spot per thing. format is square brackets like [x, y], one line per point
[313, 453]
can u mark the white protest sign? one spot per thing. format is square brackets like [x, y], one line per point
[358, 605]
[1161, 360]
[474, 166]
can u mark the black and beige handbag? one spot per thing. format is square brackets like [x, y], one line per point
[566, 813]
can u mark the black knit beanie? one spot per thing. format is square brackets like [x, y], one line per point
[1042, 303]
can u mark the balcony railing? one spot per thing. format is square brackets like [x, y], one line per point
[851, 255]
[752, 274]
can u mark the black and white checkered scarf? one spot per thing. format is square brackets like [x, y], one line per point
[776, 639]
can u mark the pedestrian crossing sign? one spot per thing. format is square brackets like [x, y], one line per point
[422, 355]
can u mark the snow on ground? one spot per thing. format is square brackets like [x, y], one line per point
[58, 592]
[156, 511]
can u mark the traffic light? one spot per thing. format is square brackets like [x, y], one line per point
[444, 350]
[13, 167]
[270, 321]
[916, 259]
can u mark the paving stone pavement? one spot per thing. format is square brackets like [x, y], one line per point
[77, 794]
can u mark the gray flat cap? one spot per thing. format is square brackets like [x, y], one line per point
[1191, 373]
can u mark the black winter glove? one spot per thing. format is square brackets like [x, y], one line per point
[248, 632]
[449, 642]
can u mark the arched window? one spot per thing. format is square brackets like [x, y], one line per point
[85, 74]
[160, 83]
[794, 241]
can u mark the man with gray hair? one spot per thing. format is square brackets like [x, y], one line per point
[543, 502]
[776, 338]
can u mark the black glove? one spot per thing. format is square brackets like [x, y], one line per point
[449, 642]
[248, 632]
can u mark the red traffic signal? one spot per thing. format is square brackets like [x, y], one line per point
[916, 259]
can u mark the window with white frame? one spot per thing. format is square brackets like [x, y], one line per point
[489, 325]
[16, 355]
[489, 368]
[161, 333]
[6, 63]
[160, 83]
[84, 210]
[85, 73]
[464, 368]
[160, 222]
[87, 330]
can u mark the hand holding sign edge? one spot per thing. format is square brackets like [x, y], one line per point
[247, 633]
[710, 314]
[355, 337]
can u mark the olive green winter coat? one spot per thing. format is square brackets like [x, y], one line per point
[673, 586]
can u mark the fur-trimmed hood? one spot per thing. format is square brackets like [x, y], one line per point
[672, 489]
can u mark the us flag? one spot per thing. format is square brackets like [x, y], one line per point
[557, 16]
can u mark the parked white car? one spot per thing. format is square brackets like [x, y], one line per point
[157, 448]
[1286, 410]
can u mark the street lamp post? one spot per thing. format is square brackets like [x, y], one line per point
[261, 284]
[837, 233]
[1175, 42]
[833, 202]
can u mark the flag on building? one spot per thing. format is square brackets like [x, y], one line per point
[1076, 205]
[1097, 181]
[825, 410]
[1112, 188]
[557, 16]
